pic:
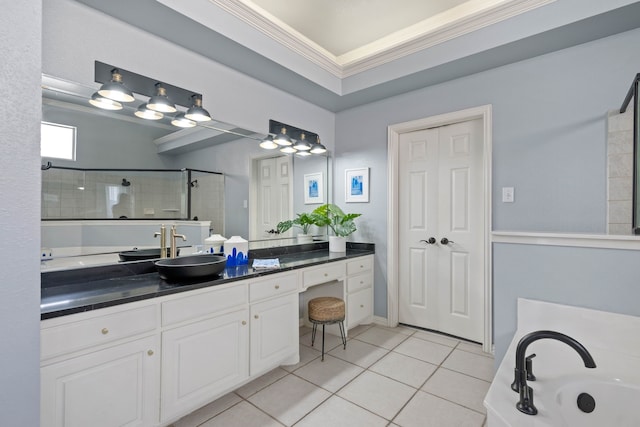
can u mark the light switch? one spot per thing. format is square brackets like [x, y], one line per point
[508, 194]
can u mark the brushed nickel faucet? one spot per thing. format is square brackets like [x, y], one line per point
[174, 235]
[163, 240]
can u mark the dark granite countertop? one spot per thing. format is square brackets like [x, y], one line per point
[74, 291]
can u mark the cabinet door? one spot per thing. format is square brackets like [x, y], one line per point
[359, 307]
[201, 360]
[117, 386]
[274, 332]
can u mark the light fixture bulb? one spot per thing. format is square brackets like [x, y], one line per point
[144, 113]
[196, 112]
[318, 148]
[288, 150]
[115, 89]
[268, 143]
[282, 138]
[182, 122]
[100, 101]
[303, 153]
[302, 144]
[160, 101]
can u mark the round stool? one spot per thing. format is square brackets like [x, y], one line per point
[326, 311]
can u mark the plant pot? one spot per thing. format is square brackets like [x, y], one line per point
[305, 238]
[337, 244]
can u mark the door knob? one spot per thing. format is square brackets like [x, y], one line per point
[430, 241]
[446, 241]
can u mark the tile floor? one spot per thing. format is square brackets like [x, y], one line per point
[385, 377]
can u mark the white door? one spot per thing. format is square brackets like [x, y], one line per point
[441, 283]
[273, 196]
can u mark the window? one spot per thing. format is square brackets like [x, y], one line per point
[58, 141]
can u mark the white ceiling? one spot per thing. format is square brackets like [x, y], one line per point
[341, 26]
[340, 54]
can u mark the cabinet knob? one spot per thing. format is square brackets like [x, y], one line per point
[277, 286]
[104, 331]
[150, 352]
[256, 316]
[361, 282]
[361, 266]
[361, 305]
[244, 322]
[326, 274]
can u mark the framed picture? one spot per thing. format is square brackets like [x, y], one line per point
[356, 185]
[313, 188]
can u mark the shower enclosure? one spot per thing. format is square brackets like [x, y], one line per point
[132, 194]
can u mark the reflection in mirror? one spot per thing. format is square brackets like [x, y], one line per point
[109, 140]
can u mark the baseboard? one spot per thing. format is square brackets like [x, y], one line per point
[381, 321]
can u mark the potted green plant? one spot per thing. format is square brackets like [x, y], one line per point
[339, 222]
[304, 221]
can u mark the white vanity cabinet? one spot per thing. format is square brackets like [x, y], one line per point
[274, 322]
[205, 347]
[101, 368]
[359, 290]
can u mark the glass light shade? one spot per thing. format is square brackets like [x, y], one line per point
[196, 112]
[115, 89]
[282, 138]
[303, 153]
[144, 113]
[318, 148]
[160, 102]
[100, 101]
[302, 144]
[182, 122]
[288, 150]
[268, 143]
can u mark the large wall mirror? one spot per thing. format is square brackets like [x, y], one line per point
[129, 175]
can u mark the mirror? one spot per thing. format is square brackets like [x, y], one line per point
[154, 156]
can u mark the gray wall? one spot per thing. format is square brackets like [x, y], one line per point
[20, 213]
[549, 142]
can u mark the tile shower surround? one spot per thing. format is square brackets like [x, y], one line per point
[62, 198]
[619, 171]
[386, 377]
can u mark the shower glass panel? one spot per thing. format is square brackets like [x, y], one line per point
[77, 194]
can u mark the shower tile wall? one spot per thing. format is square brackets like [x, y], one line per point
[619, 171]
[78, 194]
[207, 200]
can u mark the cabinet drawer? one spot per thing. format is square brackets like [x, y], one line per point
[359, 307]
[101, 329]
[267, 288]
[359, 265]
[323, 274]
[203, 303]
[360, 281]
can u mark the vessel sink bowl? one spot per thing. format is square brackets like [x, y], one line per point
[141, 254]
[190, 268]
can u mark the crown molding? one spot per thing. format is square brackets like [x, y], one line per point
[395, 46]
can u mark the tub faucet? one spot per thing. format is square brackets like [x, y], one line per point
[163, 240]
[174, 235]
[523, 365]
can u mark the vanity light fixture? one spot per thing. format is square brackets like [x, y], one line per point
[100, 101]
[182, 122]
[268, 143]
[145, 113]
[302, 144]
[282, 138]
[303, 153]
[115, 89]
[196, 112]
[160, 101]
[318, 148]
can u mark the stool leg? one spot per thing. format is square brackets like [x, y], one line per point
[322, 360]
[343, 335]
[313, 333]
